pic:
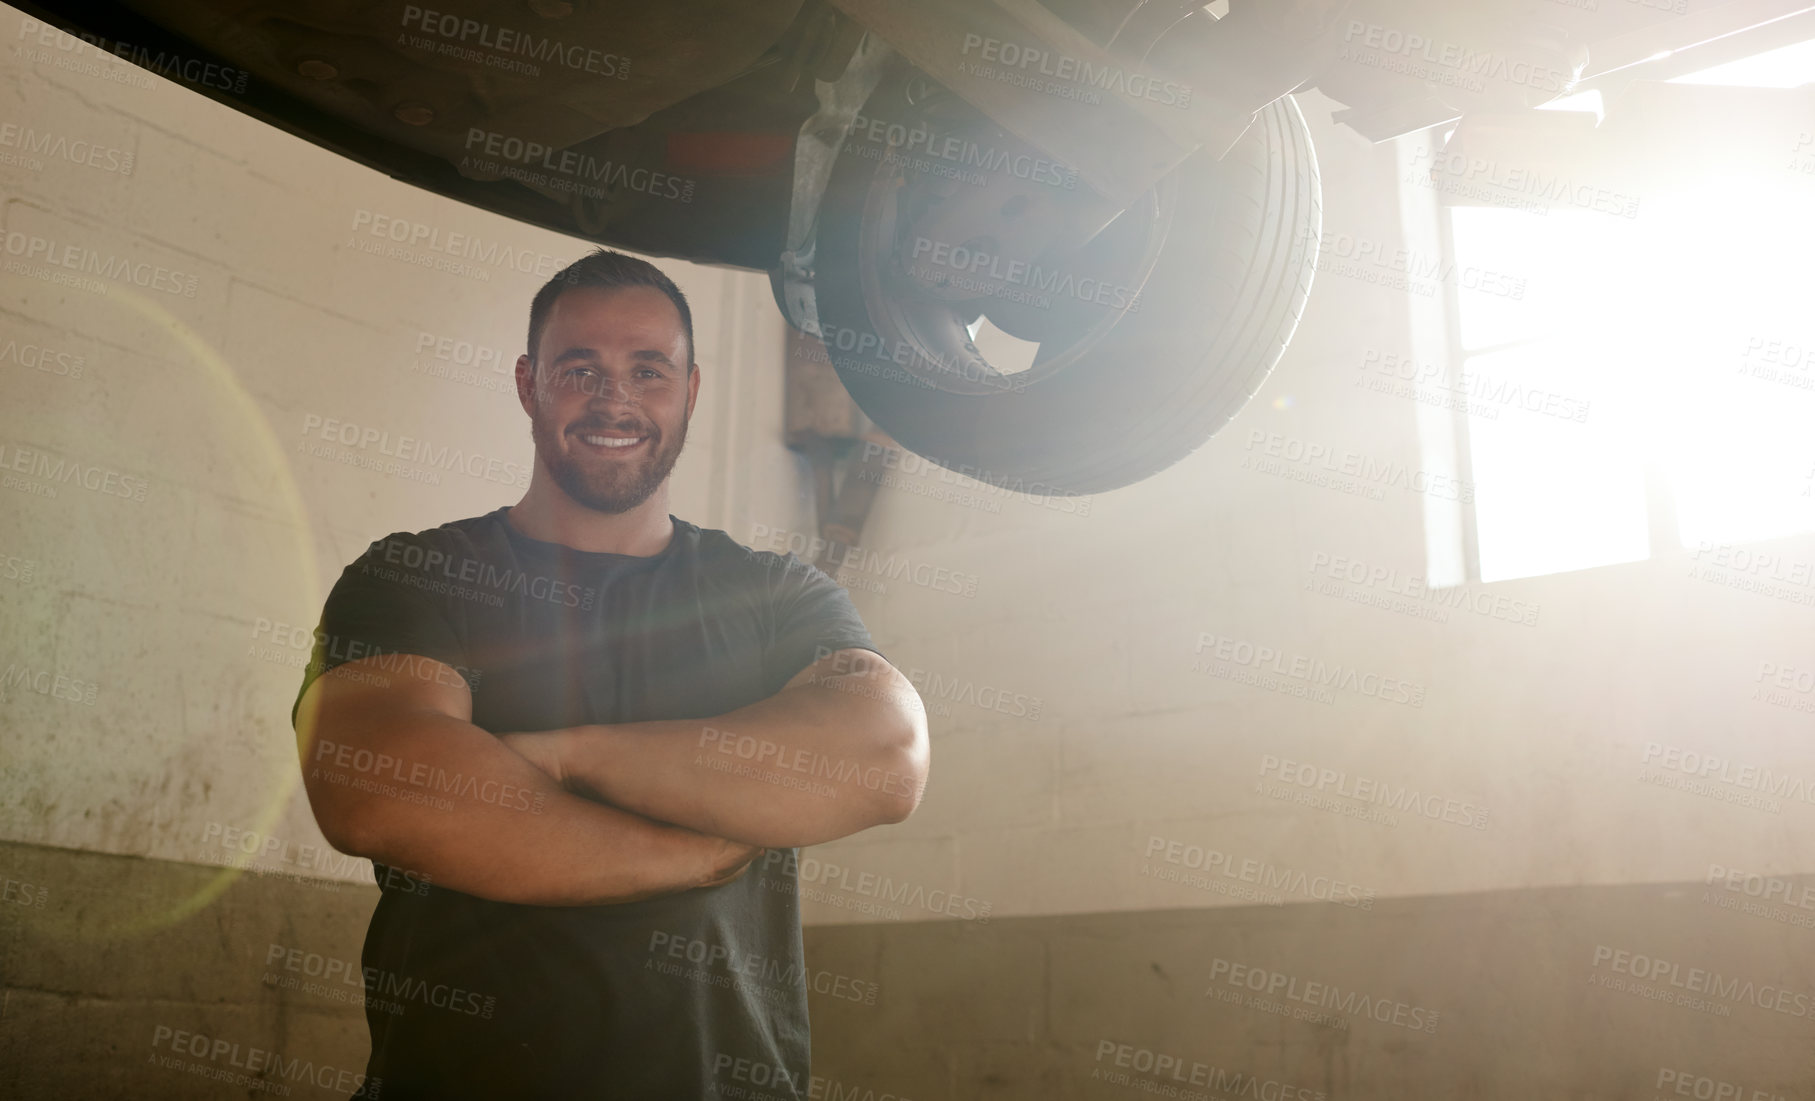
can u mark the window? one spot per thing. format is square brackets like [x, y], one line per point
[1654, 387]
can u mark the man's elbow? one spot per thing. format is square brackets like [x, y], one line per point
[343, 825]
[898, 808]
[907, 783]
[344, 835]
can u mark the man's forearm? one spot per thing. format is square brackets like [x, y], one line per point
[810, 764]
[443, 799]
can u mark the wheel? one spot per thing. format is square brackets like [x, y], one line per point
[1152, 333]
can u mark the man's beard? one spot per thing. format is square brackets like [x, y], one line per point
[608, 485]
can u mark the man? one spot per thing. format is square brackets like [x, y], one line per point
[579, 738]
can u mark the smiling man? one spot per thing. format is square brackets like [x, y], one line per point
[566, 730]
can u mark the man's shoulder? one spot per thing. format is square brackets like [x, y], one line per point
[717, 549]
[468, 534]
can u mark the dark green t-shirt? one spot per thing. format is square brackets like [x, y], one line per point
[654, 999]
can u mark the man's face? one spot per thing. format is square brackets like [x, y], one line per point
[610, 394]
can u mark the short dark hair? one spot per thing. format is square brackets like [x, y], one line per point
[610, 271]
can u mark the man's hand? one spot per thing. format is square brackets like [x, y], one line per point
[737, 861]
[545, 749]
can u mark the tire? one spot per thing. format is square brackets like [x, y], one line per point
[1227, 276]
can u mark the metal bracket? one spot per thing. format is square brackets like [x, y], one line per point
[815, 153]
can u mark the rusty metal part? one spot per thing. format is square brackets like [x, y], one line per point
[844, 511]
[815, 153]
[1123, 121]
[817, 406]
[832, 40]
[825, 424]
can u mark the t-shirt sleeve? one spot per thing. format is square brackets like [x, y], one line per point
[380, 606]
[813, 617]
